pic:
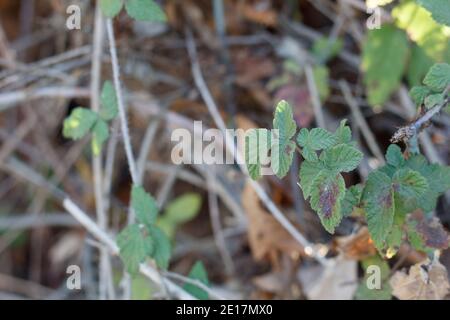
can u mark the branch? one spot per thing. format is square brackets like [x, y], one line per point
[411, 131]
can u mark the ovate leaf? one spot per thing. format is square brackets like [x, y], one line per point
[282, 149]
[438, 78]
[343, 133]
[183, 208]
[134, 247]
[418, 94]
[434, 100]
[111, 8]
[384, 57]
[341, 158]
[281, 157]
[316, 139]
[108, 99]
[79, 123]
[419, 65]
[284, 121]
[325, 49]
[327, 192]
[409, 183]
[144, 206]
[162, 248]
[378, 201]
[145, 10]
[308, 172]
[198, 272]
[257, 146]
[321, 75]
[424, 31]
[100, 133]
[351, 200]
[394, 156]
[440, 10]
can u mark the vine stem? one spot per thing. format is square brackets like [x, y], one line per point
[120, 102]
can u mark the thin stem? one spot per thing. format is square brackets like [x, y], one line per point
[106, 286]
[120, 102]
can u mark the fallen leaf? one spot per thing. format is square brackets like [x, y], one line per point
[298, 98]
[267, 237]
[425, 281]
[338, 280]
[357, 246]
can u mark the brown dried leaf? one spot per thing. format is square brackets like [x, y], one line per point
[267, 238]
[425, 281]
[298, 97]
[357, 246]
[430, 230]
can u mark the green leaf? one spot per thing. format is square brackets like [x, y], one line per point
[145, 10]
[434, 100]
[108, 100]
[308, 172]
[144, 206]
[316, 139]
[424, 31]
[419, 65]
[343, 133]
[341, 158]
[198, 272]
[79, 123]
[394, 156]
[418, 94]
[257, 146]
[111, 8]
[438, 178]
[100, 133]
[184, 208]
[162, 248]
[282, 149]
[141, 288]
[383, 61]
[385, 292]
[327, 192]
[351, 200]
[281, 157]
[440, 10]
[325, 49]
[378, 201]
[284, 121]
[438, 78]
[321, 75]
[134, 247]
